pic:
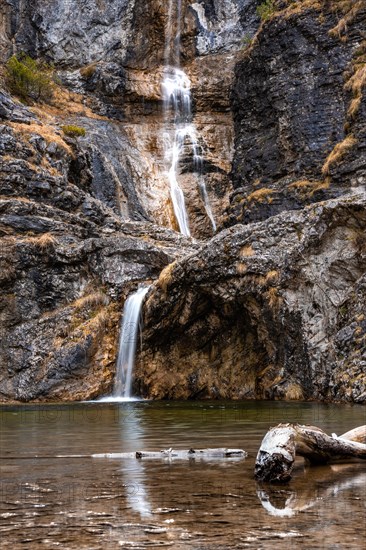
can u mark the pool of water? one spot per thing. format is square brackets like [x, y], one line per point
[54, 494]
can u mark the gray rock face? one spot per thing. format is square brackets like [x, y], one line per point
[71, 33]
[291, 109]
[14, 111]
[222, 25]
[263, 311]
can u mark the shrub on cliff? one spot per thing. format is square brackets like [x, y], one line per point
[73, 131]
[29, 79]
[266, 10]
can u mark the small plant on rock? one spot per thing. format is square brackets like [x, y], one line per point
[266, 10]
[73, 131]
[246, 41]
[29, 79]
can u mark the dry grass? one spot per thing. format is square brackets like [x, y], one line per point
[339, 151]
[65, 104]
[92, 300]
[241, 268]
[301, 184]
[89, 316]
[6, 198]
[46, 131]
[97, 324]
[43, 242]
[247, 251]
[88, 70]
[308, 188]
[346, 9]
[356, 84]
[7, 158]
[349, 10]
[273, 298]
[299, 6]
[260, 195]
[272, 276]
[166, 276]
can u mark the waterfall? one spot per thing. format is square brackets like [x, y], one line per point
[177, 101]
[127, 344]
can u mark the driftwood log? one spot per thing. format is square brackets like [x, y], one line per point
[276, 456]
[179, 454]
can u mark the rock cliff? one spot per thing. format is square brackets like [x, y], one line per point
[272, 306]
[267, 310]
[298, 111]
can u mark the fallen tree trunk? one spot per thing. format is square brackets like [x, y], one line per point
[276, 456]
[180, 454]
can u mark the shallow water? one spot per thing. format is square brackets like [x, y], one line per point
[93, 503]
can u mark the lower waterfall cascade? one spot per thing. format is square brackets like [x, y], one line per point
[130, 329]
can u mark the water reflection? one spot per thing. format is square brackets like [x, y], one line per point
[78, 502]
[133, 471]
[321, 483]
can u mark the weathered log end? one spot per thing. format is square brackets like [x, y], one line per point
[276, 455]
[281, 444]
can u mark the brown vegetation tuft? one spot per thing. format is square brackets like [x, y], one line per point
[308, 188]
[356, 84]
[241, 268]
[260, 195]
[46, 131]
[43, 242]
[349, 10]
[88, 71]
[166, 276]
[272, 276]
[274, 299]
[92, 300]
[339, 151]
[247, 251]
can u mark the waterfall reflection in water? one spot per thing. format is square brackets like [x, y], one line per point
[84, 503]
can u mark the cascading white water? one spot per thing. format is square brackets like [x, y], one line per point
[176, 90]
[127, 343]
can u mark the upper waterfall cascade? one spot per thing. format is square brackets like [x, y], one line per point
[176, 90]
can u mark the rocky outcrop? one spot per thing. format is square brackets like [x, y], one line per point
[298, 137]
[269, 310]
